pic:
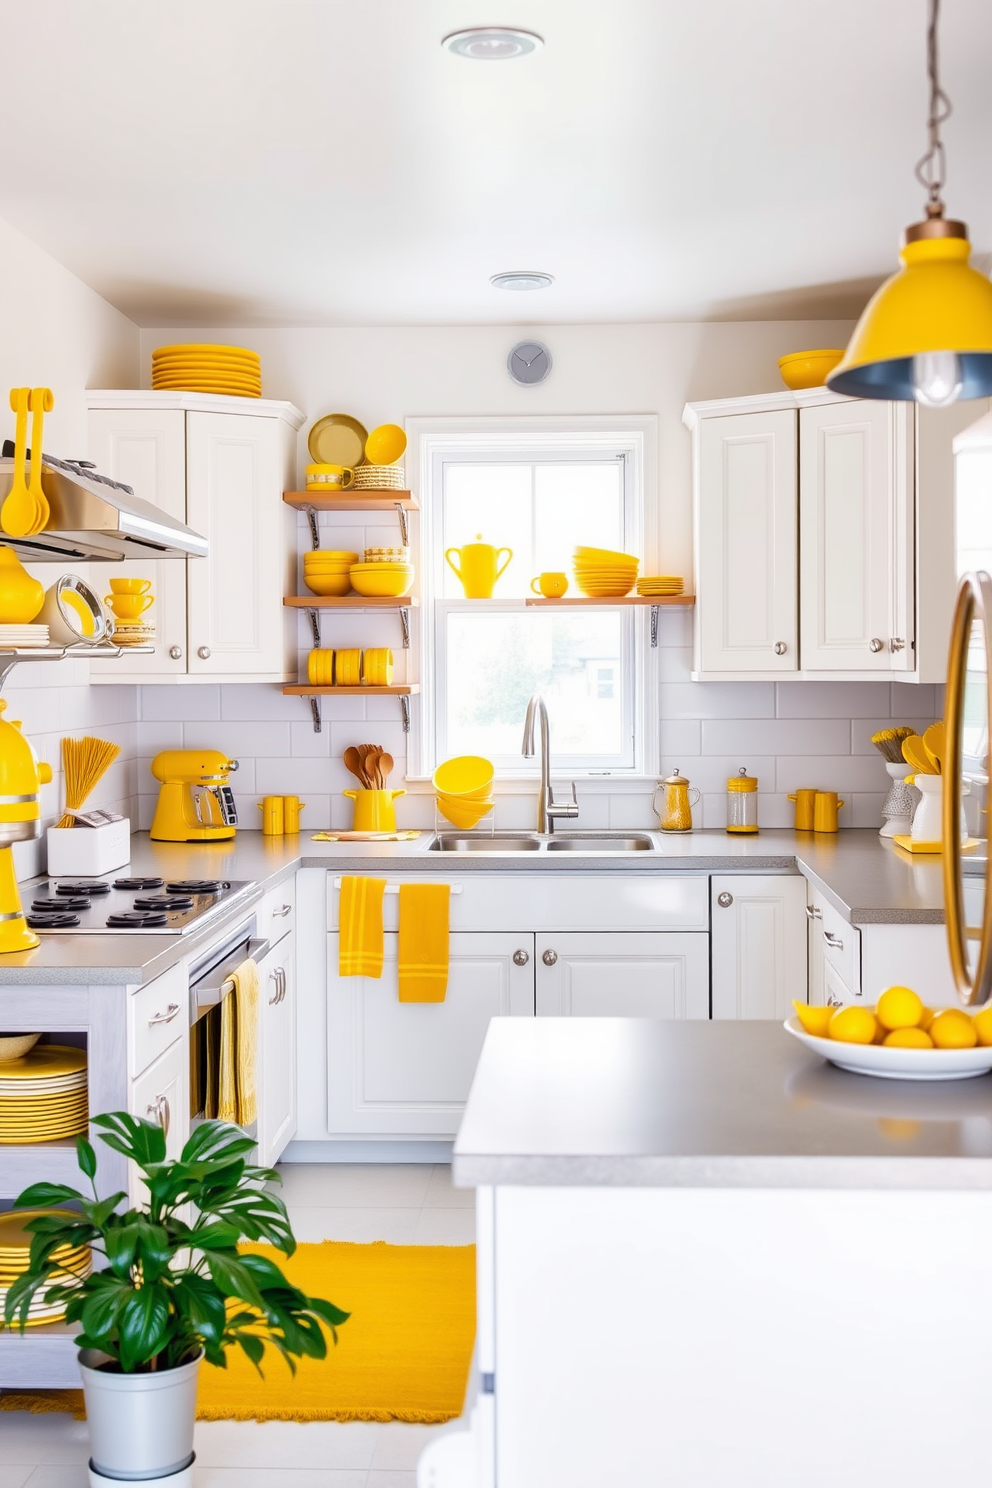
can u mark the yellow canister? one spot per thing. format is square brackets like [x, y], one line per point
[271, 808]
[677, 801]
[742, 802]
[291, 808]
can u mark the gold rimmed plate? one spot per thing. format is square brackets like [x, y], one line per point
[337, 439]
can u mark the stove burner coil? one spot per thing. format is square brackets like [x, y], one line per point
[171, 904]
[195, 886]
[132, 921]
[58, 906]
[51, 921]
[138, 883]
[78, 890]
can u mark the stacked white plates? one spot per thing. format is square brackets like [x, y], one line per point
[23, 635]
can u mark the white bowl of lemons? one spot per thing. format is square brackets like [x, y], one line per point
[898, 1039]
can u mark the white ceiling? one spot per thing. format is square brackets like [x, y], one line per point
[326, 162]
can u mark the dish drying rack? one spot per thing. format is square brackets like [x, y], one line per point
[11, 656]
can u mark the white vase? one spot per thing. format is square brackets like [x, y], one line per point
[901, 802]
[140, 1425]
[928, 823]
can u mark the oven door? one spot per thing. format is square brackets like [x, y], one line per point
[210, 983]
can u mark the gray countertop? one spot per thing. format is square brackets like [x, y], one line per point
[645, 1103]
[867, 880]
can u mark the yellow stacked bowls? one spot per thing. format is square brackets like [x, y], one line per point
[464, 787]
[382, 580]
[601, 573]
[327, 571]
[207, 368]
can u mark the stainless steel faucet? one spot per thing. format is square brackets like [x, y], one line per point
[547, 808]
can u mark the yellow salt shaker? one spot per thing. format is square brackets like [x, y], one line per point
[291, 808]
[271, 808]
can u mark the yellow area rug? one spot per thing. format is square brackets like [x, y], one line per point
[403, 1355]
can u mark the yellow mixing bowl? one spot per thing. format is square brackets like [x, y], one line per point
[464, 814]
[381, 580]
[467, 777]
[385, 445]
[808, 369]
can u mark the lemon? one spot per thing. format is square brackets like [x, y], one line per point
[952, 1029]
[899, 1007]
[908, 1038]
[813, 1019]
[983, 1026]
[926, 1018]
[852, 1025]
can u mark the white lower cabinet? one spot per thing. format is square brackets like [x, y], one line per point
[622, 976]
[758, 945]
[161, 1094]
[404, 1069]
[277, 1051]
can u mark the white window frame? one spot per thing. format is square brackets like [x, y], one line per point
[635, 437]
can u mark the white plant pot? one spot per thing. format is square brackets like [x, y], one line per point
[140, 1425]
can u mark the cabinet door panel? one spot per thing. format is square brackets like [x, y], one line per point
[622, 976]
[162, 1094]
[147, 451]
[746, 539]
[277, 1052]
[406, 1068]
[758, 945]
[856, 523]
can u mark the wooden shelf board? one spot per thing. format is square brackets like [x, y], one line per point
[307, 689]
[348, 602]
[380, 501]
[625, 599]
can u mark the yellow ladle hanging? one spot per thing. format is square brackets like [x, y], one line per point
[42, 402]
[18, 512]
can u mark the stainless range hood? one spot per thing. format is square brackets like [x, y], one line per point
[93, 517]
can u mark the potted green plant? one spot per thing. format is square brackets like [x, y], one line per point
[172, 1290]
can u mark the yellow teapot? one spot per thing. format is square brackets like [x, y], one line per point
[478, 567]
[677, 801]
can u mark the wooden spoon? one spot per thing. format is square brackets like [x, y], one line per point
[353, 762]
[385, 765]
[934, 742]
[915, 754]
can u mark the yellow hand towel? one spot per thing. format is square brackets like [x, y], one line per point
[237, 1091]
[423, 942]
[360, 943]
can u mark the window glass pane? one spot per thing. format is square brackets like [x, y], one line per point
[494, 500]
[573, 658]
[576, 504]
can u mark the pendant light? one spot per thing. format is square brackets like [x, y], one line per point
[927, 333]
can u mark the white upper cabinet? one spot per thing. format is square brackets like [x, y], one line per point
[220, 465]
[746, 554]
[856, 546]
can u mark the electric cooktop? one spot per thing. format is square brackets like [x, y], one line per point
[127, 906]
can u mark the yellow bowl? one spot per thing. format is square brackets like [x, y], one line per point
[605, 591]
[603, 555]
[383, 583]
[808, 369]
[385, 445]
[466, 777]
[464, 814]
[328, 585]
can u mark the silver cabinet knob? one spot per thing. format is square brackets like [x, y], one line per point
[520, 958]
[203, 652]
[780, 648]
[875, 645]
[176, 652]
[549, 958]
[897, 644]
[725, 900]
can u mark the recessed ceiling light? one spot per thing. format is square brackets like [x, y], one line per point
[522, 279]
[492, 43]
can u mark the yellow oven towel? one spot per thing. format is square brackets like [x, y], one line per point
[236, 1088]
[360, 941]
[423, 942]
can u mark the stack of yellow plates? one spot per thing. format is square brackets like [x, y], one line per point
[15, 1249]
[377, 667]
[603, 574]
[320, 667]
[660, 584]
[203, 368]
[43, 1095]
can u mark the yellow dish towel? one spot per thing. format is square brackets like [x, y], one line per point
[423, 943]
[360, 943]
[236, 1088]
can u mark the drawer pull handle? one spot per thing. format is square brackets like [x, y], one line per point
[165, 1017]
[159, 1111]
[282, 912]
[520, 958]
[812, 913]
[278, 975]
[833, 940]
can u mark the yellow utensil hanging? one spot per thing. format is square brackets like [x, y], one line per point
[915, 754]
[18, 511]
[42, 402]
[934, 742]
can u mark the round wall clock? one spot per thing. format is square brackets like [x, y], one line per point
[529, 363]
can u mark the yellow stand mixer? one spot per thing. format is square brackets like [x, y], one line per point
[21, 777]
[195, 804]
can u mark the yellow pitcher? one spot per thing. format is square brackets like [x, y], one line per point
[478, 567]
[374, 809]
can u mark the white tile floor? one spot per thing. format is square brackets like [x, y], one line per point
[407, 1204]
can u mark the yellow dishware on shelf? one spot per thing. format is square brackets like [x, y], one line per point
[329, 557]
[130, 586]
[129, 606]
[328, 585]
[377, 667]
[603, 555]
[381, 580]
[21, 596]
[808, 369]
[551, 585]
[337, 439]
[329, 478]
[385, 445]
[467, 777]
[478, 566]
[462, 813]
[374, 811]
[348, 668]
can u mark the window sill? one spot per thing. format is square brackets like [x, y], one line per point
[420, 785]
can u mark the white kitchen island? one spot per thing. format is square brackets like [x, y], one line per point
[709, 1260]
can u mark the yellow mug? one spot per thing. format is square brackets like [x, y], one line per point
[272, 816]
[551, 585]
[374, 809]
[129, 606]
[825, 809]
[804, 800]
[291, 808]
[130, 586]
[329, 477]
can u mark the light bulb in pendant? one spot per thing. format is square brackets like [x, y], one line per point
[936, 378]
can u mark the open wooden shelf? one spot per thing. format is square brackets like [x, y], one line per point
[308, 689]
[352, 500]
[348, 602]
[624, 599]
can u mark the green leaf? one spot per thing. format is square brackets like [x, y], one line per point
[144, 1141]
[215, 1237]
[253, 1347]
[211, 1140]
[233, 1277]
[143, 1326]
[86, 1157]
[327, 1311]
[45, 1195]
[198, 1300]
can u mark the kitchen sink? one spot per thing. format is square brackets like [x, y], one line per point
[506, 842]
[600, 842]
[496, 842]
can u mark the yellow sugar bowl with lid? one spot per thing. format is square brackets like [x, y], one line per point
[742, 802]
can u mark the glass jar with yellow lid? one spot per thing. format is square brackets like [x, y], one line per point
[742, 802]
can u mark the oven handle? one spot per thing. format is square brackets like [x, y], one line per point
[205, 995]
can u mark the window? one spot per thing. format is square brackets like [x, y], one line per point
[537, 491]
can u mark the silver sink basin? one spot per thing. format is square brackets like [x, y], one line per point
[451, 842]
[612, 842]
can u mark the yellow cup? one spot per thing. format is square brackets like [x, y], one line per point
[291, 808]
[130, 586]
[551, 585]
[825, 809]
[129, 606]
[273, 819]
[329, 477]
[805, 800]
[374, 809]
